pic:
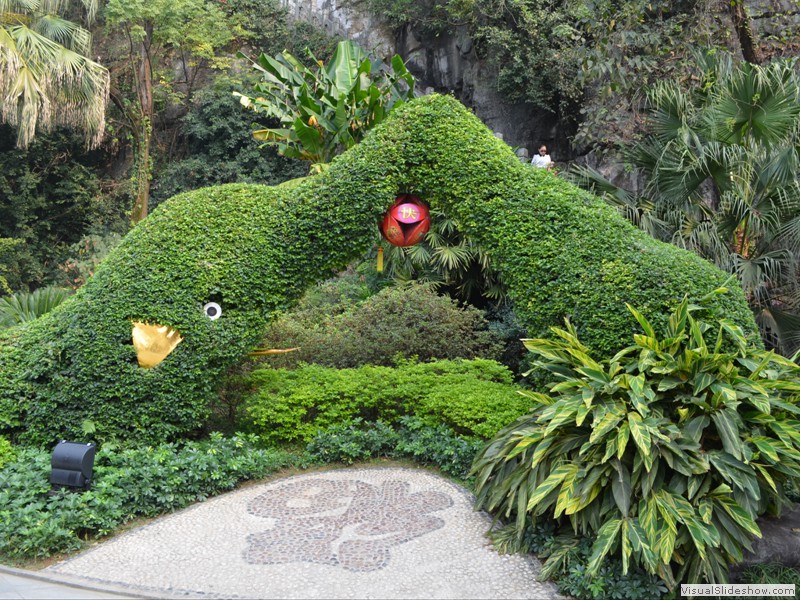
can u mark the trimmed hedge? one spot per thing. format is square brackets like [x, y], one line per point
[473, 397]
[255, 249]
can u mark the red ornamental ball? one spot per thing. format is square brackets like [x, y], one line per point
[406, 222]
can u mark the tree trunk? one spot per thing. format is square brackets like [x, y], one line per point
[744, 31]
[145, 133]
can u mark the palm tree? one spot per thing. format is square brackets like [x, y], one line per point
[720, 164]
[46, 78]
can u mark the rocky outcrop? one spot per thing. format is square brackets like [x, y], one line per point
[448, 63]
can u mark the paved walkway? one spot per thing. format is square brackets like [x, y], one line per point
[350, 533]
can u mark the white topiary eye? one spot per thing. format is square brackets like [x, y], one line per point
[213, 310]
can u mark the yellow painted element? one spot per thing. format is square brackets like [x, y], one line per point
[380, 260]
[153, 343]
[265, 351]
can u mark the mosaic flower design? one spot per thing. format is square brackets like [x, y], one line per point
[348, 523]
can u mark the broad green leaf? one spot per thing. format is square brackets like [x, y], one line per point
[605, 425]
[567, 489]
[640, 545]
[766, 446]
[648, 329]
[625, 543]
[640, 434]
[548, 485]
[623, 434]
[766, 475]
[738, 514]
[621, 487]
[597, 375]
[728, 430]
[606, 539]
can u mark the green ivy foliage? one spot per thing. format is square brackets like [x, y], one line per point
[255, 250]
[475, 398]
[407, 320]
[559, 251]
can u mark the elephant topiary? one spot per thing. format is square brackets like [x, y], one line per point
[211, 267]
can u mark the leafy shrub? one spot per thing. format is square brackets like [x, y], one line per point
[407, 320]
[666, 453]
[255, 249]
[435, 445]
[220, 147]
[351, 442]
[7, 452]
[49, 193]
[570, 572]
[473, 397]
[128, 483]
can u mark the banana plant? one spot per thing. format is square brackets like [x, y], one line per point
[665, 455]
[324, 110]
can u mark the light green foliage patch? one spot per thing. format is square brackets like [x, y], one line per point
[472, 397]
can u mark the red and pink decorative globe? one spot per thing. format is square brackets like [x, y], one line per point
[406, 222]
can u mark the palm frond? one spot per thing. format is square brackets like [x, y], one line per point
[27, 306]
[43, 63]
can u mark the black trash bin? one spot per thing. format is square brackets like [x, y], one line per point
[72, 465]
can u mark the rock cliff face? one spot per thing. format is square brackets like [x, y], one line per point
[448, 63]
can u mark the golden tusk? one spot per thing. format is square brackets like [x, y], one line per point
[264, 351]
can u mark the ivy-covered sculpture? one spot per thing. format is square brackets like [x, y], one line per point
[240, 253]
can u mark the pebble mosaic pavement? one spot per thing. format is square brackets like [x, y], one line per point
[350, 533]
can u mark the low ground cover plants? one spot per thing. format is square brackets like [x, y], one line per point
[663, 455]
[435, 445]
[128, 483]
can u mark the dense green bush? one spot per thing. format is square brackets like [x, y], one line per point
[407, 320]
[128, 483]
[7, 452]
[666, 453]
[220, 148]
[436, 445]
[254, 250]
[473, 397]
[49, 194]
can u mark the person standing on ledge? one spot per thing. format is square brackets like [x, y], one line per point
[542, 159]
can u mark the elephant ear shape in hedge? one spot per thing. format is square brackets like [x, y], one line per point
[253, 250]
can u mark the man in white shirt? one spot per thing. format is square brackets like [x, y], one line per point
[542, 160]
